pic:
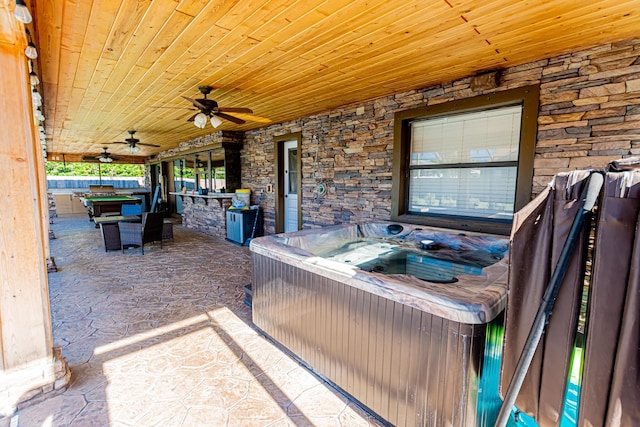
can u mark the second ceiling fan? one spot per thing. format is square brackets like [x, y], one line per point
[104, 157]
[133, 142]
[209, 110]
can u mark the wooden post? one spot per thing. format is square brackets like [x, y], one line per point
[28, 367]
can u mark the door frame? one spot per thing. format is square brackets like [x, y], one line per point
[278, 150]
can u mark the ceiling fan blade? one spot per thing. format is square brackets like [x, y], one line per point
[148, 145]
[195, 102]
[171, 108]
[117, 142]
[231, 118]
[96, 159]
[192, 118]
[235, 110]
[251, 118]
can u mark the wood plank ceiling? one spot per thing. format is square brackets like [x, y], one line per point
[108, 66]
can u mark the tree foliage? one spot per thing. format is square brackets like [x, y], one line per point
[91, 169]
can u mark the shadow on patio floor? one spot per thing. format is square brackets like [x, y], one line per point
[165, 339]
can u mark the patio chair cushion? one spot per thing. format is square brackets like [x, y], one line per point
[130, 210]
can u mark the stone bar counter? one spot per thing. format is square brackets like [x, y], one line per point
[205, 212]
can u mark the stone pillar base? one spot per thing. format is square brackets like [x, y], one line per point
[51, 266]
[56, 384]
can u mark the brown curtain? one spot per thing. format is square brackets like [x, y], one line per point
[559, 336]
[529, 254]
[538, 235]
[610, 390]
[611, 370]
[624, 399]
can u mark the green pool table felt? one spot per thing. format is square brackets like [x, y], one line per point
[110, 199]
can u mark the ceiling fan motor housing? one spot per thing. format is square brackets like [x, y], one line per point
[210, 106]
[205, 90]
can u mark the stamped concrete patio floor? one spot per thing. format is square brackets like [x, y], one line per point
[164, 339]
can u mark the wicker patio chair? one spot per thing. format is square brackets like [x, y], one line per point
[137, 234]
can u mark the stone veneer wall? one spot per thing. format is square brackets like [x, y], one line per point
[206, 142]
[589, 114]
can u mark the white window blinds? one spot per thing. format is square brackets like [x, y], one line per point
[465, 164]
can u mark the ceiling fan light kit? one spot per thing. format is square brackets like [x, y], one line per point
[200, 120]
[215, 121]
[105, 156]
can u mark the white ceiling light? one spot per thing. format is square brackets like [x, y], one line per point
[215, 121]
[22, 13]
[38, 114]
[134, 149]
[36, 98]
[33, 79]
[200, 120]
[30, 51]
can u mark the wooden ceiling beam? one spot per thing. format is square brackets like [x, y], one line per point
[82, 158]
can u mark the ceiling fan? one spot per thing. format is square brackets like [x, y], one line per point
[133, 142]
[209, 109]
[104, 157]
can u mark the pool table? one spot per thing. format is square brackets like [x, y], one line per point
[96, 206]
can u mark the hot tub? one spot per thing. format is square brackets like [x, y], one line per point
[393, 314]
